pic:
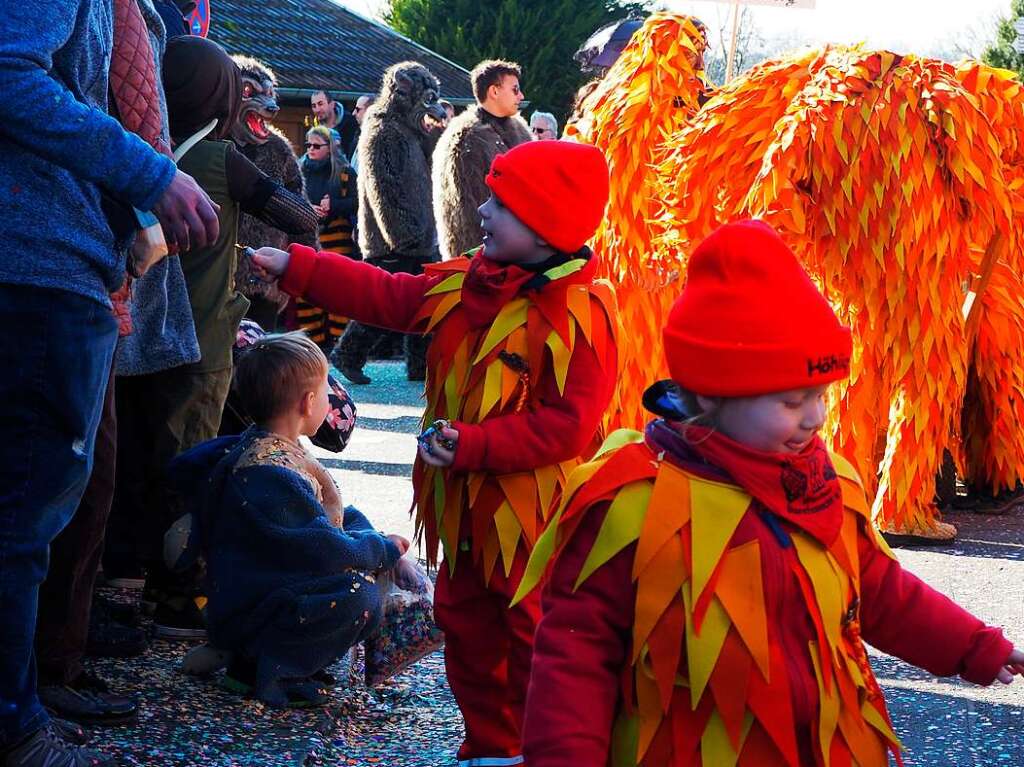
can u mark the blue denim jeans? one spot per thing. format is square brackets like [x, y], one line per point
[56, 349]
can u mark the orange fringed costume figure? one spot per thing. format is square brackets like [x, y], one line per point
[993, 440]
[714, 581]
[522, 364]
[887, 179]
[651, 91]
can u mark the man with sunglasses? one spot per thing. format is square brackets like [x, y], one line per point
[543, 126]
[466, 149]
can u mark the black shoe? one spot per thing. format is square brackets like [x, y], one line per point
[88, 700]
[123, 573]
[46, 748]
[172, 622]
[72, 732]
[120, 612]
[110, 639]
[353, 372]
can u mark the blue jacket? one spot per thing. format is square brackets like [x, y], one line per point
[58, 146]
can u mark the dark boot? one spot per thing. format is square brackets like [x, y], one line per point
[350, 355]
[87, 699]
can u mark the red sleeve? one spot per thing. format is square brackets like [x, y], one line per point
[559, 430]
[356, 289]
[903, 616]
[579, 653]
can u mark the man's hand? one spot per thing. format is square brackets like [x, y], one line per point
[270, 263]
[407, 576]
[187, 214]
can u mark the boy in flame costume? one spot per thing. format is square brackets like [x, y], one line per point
[521, 367]
[714, 580]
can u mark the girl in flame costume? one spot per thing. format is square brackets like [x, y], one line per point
[714, 580]
[522, 366]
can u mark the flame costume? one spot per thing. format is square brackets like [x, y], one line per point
[711, 592]
[650, 93]
[889, 176]
[522, 362]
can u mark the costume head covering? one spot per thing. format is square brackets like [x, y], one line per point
[557, 188]
[750, 321]
[201, 82]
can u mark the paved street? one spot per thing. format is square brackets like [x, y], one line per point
[943, 722]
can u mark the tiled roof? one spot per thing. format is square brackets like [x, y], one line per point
[318, 44]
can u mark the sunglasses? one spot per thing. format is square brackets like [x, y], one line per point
[539, 131]
[314, 146]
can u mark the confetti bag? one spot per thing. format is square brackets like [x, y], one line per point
[406, 634]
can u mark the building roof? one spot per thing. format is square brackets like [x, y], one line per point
[318, 44]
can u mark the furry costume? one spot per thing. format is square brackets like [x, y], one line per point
[396, 220]
[463, 156]
[272, 153]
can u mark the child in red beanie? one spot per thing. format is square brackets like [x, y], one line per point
[522, 362]
[715, 579]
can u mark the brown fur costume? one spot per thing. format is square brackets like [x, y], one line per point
[395, 214]
[461, 161]
[272, 153]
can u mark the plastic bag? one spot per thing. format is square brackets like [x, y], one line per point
[407, 632]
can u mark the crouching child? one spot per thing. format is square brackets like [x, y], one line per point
[293, 576]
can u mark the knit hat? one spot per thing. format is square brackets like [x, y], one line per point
[750, 321]
[557, 188]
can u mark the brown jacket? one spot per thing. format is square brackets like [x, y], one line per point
[461, 161]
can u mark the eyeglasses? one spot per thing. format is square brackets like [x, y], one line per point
[314, 146]
[539, 131]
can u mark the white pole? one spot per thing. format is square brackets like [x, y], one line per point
[731, 60]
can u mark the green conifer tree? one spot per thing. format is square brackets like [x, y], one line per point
[540, 35]
[1001, 53]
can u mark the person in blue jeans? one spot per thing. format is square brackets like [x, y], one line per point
[60, 153]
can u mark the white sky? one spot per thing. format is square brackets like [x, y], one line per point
[919, 26]
[905, 25]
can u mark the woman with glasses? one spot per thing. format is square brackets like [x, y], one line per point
[331, 188]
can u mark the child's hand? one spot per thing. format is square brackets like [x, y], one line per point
[434, 453]
[270, 263]
[400, 542]
[1014, 667]
[407, 576]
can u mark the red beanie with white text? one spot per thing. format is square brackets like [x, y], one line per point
[750, 321]
[557, 188]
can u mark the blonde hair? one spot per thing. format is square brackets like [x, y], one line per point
[275, 371]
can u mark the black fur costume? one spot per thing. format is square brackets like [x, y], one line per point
[396, 221]
[272, 153]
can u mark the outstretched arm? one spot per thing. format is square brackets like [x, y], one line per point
[903, 616]
[339, 284]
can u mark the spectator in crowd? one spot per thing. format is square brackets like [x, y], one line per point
[57, 332]
[156, 331]
[466, 150]
[543, 126]
[449, 110]
[332, 114]
[176, 409]
[363, 103]
[331, 188]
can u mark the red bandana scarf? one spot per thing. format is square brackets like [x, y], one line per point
[801, 488]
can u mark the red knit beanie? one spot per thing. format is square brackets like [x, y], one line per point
[750, 321]
[557, 188]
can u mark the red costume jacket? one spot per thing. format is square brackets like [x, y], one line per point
[586, 692]
[521, 362]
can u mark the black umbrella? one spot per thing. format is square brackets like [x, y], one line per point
[603, 47]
